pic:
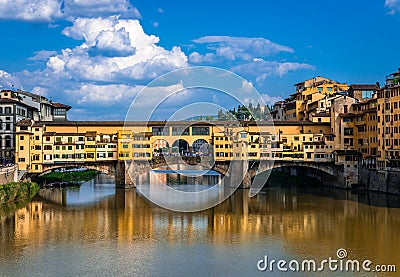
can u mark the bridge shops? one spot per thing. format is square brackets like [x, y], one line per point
[44, 145]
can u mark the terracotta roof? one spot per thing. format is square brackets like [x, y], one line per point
[24, 122]
[13, 101]
[364, 86]
[60, 105]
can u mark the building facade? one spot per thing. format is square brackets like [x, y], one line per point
[19, 105]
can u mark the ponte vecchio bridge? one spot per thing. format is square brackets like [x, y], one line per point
[116, 147]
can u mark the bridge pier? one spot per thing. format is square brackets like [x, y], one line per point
[122, 178]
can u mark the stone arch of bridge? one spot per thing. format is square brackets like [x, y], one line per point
[325, 175]
[106, 168]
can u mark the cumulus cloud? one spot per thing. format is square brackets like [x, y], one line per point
[393, 6]
[113, 50]
[28, 10]
[42, 55]
[51, 10]
[261, 69]
[236, 48]
[40, 90]
[8, 81]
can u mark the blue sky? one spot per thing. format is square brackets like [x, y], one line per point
[97, 55]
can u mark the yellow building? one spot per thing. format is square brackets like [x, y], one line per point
[43, 144]
[310, 92]
[388, 118]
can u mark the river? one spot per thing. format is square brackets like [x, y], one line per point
[97, 230]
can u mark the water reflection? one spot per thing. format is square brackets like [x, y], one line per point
[102, 186]
[126, 235]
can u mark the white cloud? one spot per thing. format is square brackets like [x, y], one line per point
[42, 55]
[236, 48]
[393, 6]
[270, 100]
[91, 8]
[104, 95]
[261, 69]
[155, 24]
[160, 10]
[40, 90]
[196, 57]
[51, 10]
[8, 81]
[113, 50]
[28, 10]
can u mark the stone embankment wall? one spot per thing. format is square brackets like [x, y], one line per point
[379, 180]
[8, 174]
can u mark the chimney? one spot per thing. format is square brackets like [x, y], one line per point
[378, 85]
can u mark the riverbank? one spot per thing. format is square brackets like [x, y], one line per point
[69, 177]
[16, 192]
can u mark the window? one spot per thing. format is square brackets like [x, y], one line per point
[60, 112]
[21, 137]
[200, 131]
[160, 131]
[47, 138]
[70, 147]
[21, 160]
[8, 126]
[243, 135]
[179, 131]
[8, 141]
[36, 137]
[348, 131]
[7, 110]
[21, 148]
[345, 108]
[47, 147]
